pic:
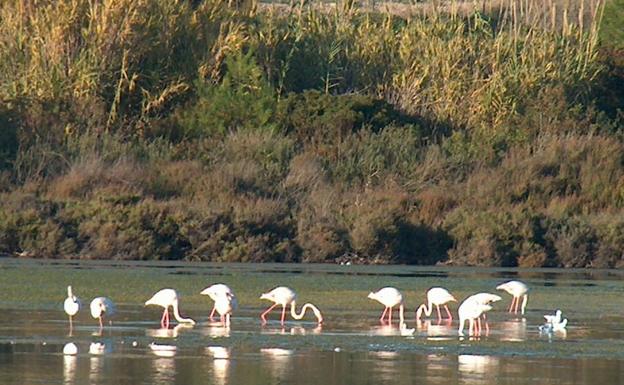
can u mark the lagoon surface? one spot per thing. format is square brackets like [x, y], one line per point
[351, 347]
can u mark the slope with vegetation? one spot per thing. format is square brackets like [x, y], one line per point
[162, 129]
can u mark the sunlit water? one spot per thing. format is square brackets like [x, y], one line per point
[36, 346]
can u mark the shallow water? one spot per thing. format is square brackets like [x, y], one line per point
[351, 346]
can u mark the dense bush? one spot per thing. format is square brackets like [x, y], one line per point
[157, 129]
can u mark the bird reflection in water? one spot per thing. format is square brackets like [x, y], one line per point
[513, 330]
[96, 362]
[70, 350]
[220, 363]
[279, 361]
[435, 330]
[295, 330]
[215, 331]
[385, 363]
[168, 333]
[475, 369]
[389, 330]
[164, 365]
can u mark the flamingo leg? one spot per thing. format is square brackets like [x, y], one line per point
[222, 319]
[214, 309]
[512, 304]
[284, 313]
[101, 326]
[450, 316]
[263, 315]
[390, 316]
[162, 319]
[517, 304]
[487, 327]
[383, 314]
[439, 315]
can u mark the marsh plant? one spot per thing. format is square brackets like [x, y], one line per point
[481, 133]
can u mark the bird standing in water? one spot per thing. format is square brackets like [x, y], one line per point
[389, 297]
[436, 296]
[100, 307]
[168, 298]
[517, 289]
[71, 306]
[214, 292]
[285, 296]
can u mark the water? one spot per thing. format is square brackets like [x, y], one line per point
[351, 347]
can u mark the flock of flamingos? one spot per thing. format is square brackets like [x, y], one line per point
[472, 309]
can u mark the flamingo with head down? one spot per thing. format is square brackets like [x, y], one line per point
[436, 296]
[286, 296]
[168, 298]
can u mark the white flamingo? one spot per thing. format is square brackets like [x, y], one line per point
[517, 289]
[168, 298]
[285, 296]
[436, 296]
[225, 304]
[470, 310]
[389, 297]
[71, 305]
[100, 307]
[484, 299]
[214, 292]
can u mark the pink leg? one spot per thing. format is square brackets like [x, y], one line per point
[487, 328]
[450, 316]
[439, 315]
[162, 319]
[383, 314]
[214, 309]
[517, 303]
[512, 304]
[263, 315]
[284, 313]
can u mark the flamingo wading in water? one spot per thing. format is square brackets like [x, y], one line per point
[436, 296]
[100, 307]
[389, 297]
[225, 304]
[168, 298]
[71, 305]
[214, 292]
[285, 296]
[471, 310]
[517, 289]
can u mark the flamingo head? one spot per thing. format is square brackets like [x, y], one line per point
[372, 295]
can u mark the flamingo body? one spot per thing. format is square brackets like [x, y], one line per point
[470, 310]
[214, 292]
[100, 307]
[167, 298]
[71, 306]
[389, 297]
[286, 296]
[517, 289]
[437, 296]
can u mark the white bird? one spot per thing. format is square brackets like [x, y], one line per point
[225, 304]
[214, 292]
[285, 296]
[100, 307]
[71, 305]
[168, 298]
[436, 296]
[517, 289]
[553, 319]
[550, 327]
[389, 297]
[470, 310]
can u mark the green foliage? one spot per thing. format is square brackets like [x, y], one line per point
[153, 129]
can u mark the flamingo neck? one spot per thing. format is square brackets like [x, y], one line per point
[462, 322]
[293, 311]
[525, 299]
[401, 315]
[424, 308]
[69, 292]
[176, 314]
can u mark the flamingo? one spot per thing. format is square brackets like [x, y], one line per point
[168, 298]
[517, 289]
[436, 296]
[389, 297]
[285, 296]
[101, 306]
[214, 292]
[71, 305]
[470, 310]
[225, 304]
[484, 299]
